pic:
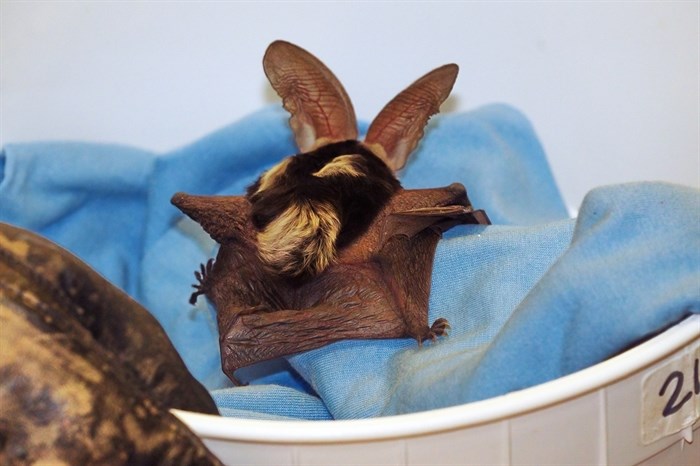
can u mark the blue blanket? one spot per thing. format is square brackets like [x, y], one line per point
[531, 298]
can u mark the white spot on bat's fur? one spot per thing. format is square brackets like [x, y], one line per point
[270, 177]
[301, 239]
[342, 165]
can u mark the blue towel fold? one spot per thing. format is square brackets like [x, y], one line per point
[531, 298]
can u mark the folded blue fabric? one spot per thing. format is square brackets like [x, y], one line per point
[531, 298]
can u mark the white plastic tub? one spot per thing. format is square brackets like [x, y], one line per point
[611, 413]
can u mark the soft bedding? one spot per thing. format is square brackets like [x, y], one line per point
[535, 296]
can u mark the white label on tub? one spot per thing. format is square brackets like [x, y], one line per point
[671, 396]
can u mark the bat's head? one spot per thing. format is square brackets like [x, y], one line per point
[311, 204]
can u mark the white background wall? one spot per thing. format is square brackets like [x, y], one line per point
[611, 87]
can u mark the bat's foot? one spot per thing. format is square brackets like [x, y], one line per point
[202, 277]
[438, 329]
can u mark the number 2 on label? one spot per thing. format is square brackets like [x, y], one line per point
[674, 404]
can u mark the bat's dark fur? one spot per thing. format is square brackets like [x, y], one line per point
[327, 245]
[346, 177]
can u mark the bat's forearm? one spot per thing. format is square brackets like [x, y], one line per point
[262, 336]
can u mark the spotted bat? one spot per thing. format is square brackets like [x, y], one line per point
[327, 245]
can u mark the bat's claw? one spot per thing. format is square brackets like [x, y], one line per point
[202, 277]
[438, 329]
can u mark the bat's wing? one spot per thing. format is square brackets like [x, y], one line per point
[345, 302]
[225, 218]
[439, 219]
[406, 259]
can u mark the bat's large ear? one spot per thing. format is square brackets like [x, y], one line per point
[395, 132]
[321, 109]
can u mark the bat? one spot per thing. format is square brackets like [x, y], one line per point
[327, 245]
[87, 376]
